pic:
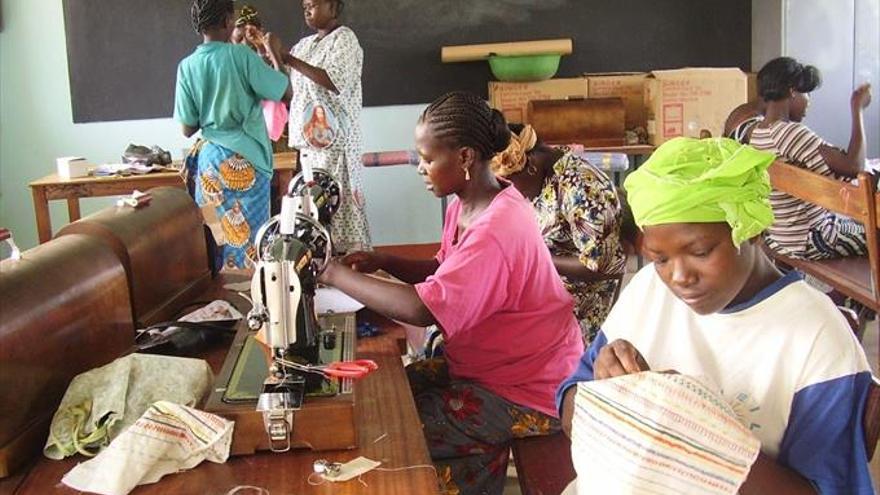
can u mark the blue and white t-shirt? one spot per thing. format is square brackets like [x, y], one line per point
[786, 361]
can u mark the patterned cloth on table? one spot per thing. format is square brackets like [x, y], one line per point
[325, 126]
[469, 429]
[580, 215]
[167, 439]
[658, 433]
[101, 403]
[219, 177]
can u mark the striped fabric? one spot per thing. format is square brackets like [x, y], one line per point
[797, 144]
[658, 433]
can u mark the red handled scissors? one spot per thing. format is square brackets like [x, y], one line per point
[358, 368]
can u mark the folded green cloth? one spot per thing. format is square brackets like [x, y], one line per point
[101, 403]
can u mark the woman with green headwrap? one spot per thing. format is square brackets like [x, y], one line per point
[712, 304]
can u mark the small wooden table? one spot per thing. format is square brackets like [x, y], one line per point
[52, 187]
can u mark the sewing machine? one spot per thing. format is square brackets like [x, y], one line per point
[286, 394]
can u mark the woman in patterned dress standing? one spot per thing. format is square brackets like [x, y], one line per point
[218, 93]
[325, 75]
[580, 218]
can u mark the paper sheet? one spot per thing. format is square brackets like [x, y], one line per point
[328, 299]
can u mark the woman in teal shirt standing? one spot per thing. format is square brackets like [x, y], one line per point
[219, 89]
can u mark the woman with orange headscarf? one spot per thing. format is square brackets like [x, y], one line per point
[579, 215]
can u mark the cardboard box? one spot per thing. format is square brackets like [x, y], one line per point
[512, 98]
[689, 102]
[629, 86]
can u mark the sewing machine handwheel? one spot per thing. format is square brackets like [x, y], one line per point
[318, 264]
[328, 184]
[269, 231]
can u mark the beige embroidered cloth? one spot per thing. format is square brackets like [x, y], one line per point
[167, 439]
[102, 402]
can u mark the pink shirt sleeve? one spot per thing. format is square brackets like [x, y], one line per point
[470, 285]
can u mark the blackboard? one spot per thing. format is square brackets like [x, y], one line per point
[123, 54]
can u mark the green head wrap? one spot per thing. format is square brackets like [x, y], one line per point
[703, 181]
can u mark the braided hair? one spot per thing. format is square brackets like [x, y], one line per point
[464, 119]
[210, 13]
[783, 74]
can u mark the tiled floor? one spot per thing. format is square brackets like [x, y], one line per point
[869, 342]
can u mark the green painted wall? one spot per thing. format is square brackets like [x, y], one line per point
[36, 127]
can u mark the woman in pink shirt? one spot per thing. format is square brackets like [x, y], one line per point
[507, 320]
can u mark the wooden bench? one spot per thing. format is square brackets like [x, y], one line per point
[543, 464]
[856, 277]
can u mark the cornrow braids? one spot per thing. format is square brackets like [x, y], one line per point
[210, 13]
[464, 119]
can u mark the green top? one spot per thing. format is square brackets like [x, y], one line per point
[219, 88]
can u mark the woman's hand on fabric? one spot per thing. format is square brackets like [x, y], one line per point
[861, 97]
[618, 358]
[363, 261]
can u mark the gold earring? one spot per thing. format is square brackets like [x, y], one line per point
[467, 174]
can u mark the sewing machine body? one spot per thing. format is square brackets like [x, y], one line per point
[292, 249]
[325, 419]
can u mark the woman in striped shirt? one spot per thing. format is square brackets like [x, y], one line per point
[801, 229]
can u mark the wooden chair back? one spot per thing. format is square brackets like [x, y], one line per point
[858, 202]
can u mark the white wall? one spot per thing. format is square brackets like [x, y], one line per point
[36, 126]
[767, 30]
[866, 65]
[820, 33]
[841, 38]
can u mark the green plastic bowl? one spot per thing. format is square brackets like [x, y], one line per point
[524, 68]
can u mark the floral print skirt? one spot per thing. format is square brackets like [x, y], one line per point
[219, 177]
[469, 429]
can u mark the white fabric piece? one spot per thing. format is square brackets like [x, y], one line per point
[167, 439]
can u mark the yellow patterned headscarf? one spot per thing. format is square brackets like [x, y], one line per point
[703, 181]
[248, 15]
[513, 159]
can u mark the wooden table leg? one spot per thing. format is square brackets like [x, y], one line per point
[41, 210]
[73, 209]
